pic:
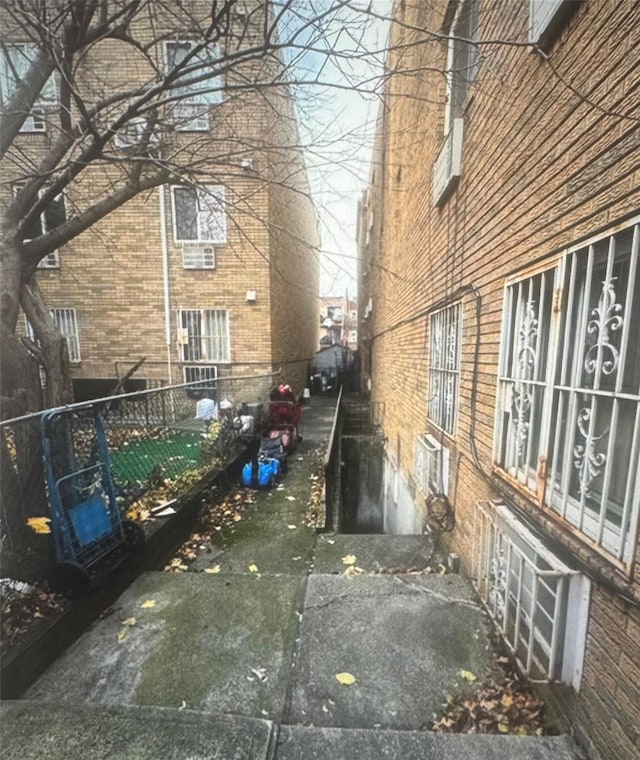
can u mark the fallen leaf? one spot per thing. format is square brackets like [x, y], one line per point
[212, 570]
[467, 675]
[253, 568]
[507, 700]
[345, 678]
[39, 524]
[237, 518]
[122, 633]
[292, 527]
[148, 604]
[290, 498]
[349, 559]
[129, 621]
[330, 541]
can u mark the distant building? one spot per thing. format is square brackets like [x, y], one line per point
[338, 321]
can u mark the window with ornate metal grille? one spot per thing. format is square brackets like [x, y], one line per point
[568, 414]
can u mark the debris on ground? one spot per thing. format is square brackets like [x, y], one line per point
[315, 513]
[214, 518]
[505, 704]
[21, 605]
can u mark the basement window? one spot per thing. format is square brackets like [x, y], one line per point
[538, 603]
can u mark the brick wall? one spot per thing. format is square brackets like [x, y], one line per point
[541, 170]
[113, 274]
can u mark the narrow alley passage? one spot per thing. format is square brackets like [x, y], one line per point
[279, 643]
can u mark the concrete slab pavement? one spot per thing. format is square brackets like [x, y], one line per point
[37, 731]
[373, 553]
[405, 639]
[207, 642]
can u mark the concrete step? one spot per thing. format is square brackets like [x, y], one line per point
[374, 553]
[301, 743]
[37, 730]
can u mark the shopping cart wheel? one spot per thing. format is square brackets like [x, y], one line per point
[133, 533]
[71, 578]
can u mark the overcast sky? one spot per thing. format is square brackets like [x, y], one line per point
[338, 126]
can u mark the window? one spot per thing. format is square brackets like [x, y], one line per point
[15, 61]
[198, 91]
[204, 335]
[199, 214]
[67, 323]
[199, 375]
[544, 15]
[539, 604]
[568, 419]
[444, 367]
[462, 65]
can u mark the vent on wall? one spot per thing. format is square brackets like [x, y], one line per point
[198, 257]
[35, 122]
[431, 465]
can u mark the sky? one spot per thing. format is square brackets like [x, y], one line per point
[338, 125]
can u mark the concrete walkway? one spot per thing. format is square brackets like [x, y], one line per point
[242, 662]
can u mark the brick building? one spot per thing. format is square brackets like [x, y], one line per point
[213, 278]
[338, 321]
[500, 299]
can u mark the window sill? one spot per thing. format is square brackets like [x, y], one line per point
[565, 541]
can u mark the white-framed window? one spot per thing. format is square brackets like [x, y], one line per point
[568, 414]
[199, 214]
[542, 14]
[67, 323]
[540, 605]
[198, 92]
[15, 60]
[203, 335]
[462, 67]
[445, 328]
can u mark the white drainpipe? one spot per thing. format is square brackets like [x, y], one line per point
[165, 280]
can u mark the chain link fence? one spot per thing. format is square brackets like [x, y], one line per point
[161, 444]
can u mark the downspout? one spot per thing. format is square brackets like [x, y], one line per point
[165, 280]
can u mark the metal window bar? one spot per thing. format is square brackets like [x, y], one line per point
[595, 406]
[524, 588]
[67, 323]
[444, 367]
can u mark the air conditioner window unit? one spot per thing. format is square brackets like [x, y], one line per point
[198, 256]
[35, 122]
[431, 465]
[50, 261]
[191, 117]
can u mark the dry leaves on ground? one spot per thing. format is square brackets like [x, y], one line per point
[315, 507]
[214, 518]
[20, 610]
[503, 705]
